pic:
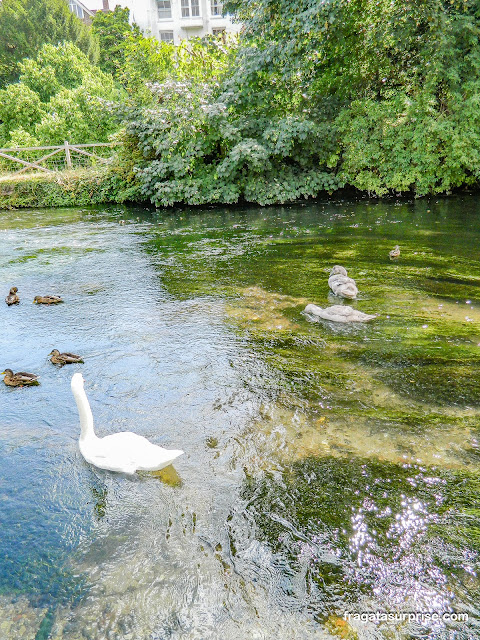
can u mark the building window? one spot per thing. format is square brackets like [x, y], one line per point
[76, 9]
[190, 8]
[216, 7]
[164, 9]
[166, 36]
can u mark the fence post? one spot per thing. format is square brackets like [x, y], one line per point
[67, 155]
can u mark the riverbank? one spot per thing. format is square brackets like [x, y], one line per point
[60, 189]
[83, 187]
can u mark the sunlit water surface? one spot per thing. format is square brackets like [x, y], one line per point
[328, 468]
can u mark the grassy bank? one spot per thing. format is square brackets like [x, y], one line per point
[62, 189]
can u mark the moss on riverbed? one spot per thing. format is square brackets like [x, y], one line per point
[390, 531]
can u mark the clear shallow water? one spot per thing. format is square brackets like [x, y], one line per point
[328, 468]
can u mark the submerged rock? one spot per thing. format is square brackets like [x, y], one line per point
[19, 619]
[338, 313]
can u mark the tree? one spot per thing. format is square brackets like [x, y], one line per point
[113, 29]
[25, 25]
[56, 67]
[61, 96]
[19, 107]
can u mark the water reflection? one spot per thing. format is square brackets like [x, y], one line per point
[327, 468]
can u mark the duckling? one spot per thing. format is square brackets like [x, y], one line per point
[12, 297]
[341, 284]
[47, 300]
[64, 358]
[395, 252]
[20, 379]
[338, 313]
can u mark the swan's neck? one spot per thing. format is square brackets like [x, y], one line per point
[85, 413]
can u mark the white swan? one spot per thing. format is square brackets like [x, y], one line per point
[338, 313]
[341, 284]
[125, 451]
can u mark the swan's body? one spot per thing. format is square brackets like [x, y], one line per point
[126, 451]
[12, 297]
[341, 284]
[395, 252]
[338, 313]
[47, 300]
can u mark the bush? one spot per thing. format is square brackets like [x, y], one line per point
[191, 148]
[76, 188]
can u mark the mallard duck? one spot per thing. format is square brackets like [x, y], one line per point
[341, 284]
[395, 252]
[64, 358]
[20, 379]
[126, 451]
[12, 297]
[47, 300]
[338, 313]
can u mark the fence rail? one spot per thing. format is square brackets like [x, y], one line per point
[58, 158]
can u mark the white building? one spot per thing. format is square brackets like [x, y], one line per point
[167, 20]
[176, 20]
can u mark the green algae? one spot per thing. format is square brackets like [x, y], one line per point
[413, 370]
[370, 527]
[354, 424]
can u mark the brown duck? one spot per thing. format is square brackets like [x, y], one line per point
[12, 297]
[47, 300]
[64, 358]
[20, 379]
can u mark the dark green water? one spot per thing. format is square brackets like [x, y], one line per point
[328, 468]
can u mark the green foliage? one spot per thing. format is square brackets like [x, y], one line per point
[62, 66]
[19, 107]
[192, 149]
[113, 31]
[379, 95]
[147, 60]
[79, 114]
[410, 144]
[58, 190]
[355, 48]
[25, 25]
[60, 96]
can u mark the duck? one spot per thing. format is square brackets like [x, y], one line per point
[12, 297]
[47, 300]
[124, 452]
[338, 313]
[64, 358]
[20, 379]
[341, 284]
[395, 252]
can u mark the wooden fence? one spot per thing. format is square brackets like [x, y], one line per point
[65, 156]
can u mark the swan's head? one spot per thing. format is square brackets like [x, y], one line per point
[54, 352]
[338, 270]
[77, 381]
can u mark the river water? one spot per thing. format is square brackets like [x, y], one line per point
[328, 469]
